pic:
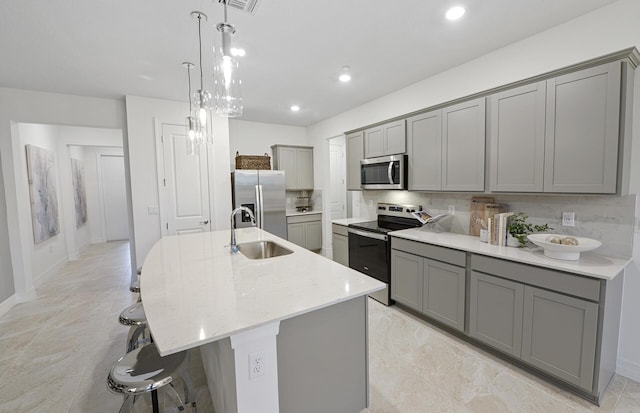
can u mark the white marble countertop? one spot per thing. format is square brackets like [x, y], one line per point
[195, 291]
[589, 264]
[348, 221]
[293, 212]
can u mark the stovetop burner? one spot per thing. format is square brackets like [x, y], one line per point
[391, 218]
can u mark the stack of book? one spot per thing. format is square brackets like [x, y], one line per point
[497, 228]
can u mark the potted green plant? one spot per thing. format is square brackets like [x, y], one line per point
[518, 228]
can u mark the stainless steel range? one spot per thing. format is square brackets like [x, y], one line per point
[370, 245]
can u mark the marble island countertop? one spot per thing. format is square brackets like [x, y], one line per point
[590, 263]
[196, 292]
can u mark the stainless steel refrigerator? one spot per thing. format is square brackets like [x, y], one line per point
[262, 191]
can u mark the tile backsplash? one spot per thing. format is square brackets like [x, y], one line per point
[293, 199]
[607, 218]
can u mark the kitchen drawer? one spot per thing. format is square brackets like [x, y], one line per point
[296, 219]
[562, 282]
[448, 255]
[339, 229]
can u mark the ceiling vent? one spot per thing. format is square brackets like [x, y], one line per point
[247, 6]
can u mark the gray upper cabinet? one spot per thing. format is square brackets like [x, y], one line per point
[496, 307]
[424, 144]
[516, 139]
[463, 146]
[297, 163]
[387, 139]
[583, 115]
[559, 335]
[355, 153]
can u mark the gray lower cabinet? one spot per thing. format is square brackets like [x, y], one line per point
[495, 311]
[559, 335]
[443, 293]
[406, 279]
[355, 153]
[563, 324]
[340, 244]
[305, 230]
[427, 285]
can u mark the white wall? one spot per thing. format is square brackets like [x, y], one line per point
[94, 204]
[49, 254]
[142, 116]
[256, 138]
[22, 106]
[601, 32]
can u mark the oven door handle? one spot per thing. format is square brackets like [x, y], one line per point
[367, 234]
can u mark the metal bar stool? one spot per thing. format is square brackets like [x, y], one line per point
[143, 371]
[135, 318]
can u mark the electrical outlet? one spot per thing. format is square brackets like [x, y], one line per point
[256, 364]
[452, 209]
[568, 219]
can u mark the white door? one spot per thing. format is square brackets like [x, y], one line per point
[184, 184]
[337, 167]
[114, 194]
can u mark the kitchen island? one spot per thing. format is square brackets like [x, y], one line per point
[285, 334]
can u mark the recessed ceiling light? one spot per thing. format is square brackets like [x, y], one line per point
[345, 76]
[455, 13]
[295, 108]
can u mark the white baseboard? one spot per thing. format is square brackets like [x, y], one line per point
[7, 304]
[629, 369]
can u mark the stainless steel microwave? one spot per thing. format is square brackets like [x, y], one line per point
[385, 172]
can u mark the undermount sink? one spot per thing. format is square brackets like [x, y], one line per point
[259, 250]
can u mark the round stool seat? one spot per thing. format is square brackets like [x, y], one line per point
[135, 286]
[133, 315]
[143, 370]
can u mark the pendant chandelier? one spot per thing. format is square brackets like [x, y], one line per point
[199, 103]
[227, 83]
[190, 121]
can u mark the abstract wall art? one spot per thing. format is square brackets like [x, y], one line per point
[79, 192]
[41, 171]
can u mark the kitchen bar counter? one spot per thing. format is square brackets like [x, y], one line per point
[293, 212]
[589, 264]
[196, 292]
[348, 221]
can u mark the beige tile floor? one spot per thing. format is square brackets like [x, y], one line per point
[55, 353]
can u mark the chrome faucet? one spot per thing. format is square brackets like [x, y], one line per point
[234, 245]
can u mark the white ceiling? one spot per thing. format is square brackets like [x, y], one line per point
[295, 48]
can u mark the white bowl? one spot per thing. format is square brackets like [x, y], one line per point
[561, 251]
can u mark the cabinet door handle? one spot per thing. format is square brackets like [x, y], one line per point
[204, 222]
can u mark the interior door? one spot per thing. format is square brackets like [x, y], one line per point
[337, 174]
[185, 184]
[114, 194]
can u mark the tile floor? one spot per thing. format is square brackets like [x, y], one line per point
[56, 352]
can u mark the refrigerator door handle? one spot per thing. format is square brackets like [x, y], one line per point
[261, 205]
[258, 207]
